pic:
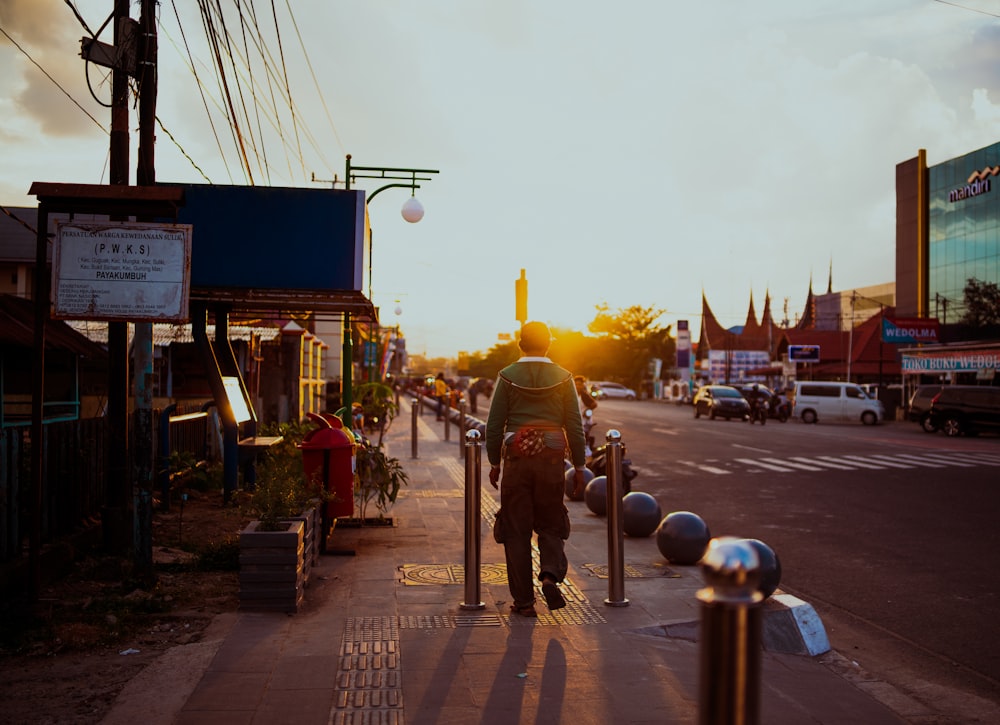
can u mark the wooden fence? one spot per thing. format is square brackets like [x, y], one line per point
[75, 455]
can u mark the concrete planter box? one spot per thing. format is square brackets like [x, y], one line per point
[313, 520]
[272, 568]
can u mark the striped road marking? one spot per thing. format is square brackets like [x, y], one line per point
[874, 462]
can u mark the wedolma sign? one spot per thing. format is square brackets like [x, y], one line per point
[909, 330]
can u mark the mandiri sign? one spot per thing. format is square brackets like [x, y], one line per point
[124, 271]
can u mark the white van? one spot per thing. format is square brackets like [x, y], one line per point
[813, 401]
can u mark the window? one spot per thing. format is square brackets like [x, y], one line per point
[821, 391]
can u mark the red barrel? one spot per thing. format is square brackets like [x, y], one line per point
[328, 457]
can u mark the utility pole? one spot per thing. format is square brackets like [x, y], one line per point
[143, 453]
[114, 518]
[130, 470]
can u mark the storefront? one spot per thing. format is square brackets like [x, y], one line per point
[956, 364]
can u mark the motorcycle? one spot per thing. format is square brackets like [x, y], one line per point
[598, 464]
[780, 409]
[758, 411]
[588, 427]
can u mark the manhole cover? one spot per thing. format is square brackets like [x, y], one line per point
[427, 574]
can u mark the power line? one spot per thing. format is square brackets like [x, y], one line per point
[54, 81]
[312, 72]
[201, 89]
[963, 7]
[83, 22]
[288, 88]
[181, 149]
[18, 219]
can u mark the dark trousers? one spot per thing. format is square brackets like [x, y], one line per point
[531, 501]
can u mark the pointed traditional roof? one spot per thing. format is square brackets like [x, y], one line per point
[808, 321]
[712, 335]
[868, 356]
[751, 327]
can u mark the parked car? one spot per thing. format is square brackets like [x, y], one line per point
[813, 401]
[966, 409]
[720, 401]
[919, 408]
[601, 389]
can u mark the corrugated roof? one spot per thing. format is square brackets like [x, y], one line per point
[17, 329]
[164, 333]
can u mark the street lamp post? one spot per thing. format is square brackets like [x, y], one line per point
[850, 349]
[412, 211]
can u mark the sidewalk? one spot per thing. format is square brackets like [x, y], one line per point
[383, 638]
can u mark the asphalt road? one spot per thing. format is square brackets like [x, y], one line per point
[889, 532]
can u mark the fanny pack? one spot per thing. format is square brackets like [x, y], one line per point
[528, 442]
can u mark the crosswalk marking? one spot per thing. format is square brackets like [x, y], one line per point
[854, 462]
[707, 469]
[793, 464]
[892, 462]
[985, 460]
[859, 461]
[922, 460]
[948, 460]
[762, 464]
[666, 431]
[824, 463]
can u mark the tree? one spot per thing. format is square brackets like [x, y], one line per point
[630, 338]
[982, 303]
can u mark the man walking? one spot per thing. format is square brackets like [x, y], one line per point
[534, 416]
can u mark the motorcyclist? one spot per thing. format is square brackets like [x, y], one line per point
[588, 404]
[759, 400]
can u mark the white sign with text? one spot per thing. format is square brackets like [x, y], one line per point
[126, 271]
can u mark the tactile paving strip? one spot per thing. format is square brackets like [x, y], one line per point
[601, 571]
[423, 493]
[369, 676]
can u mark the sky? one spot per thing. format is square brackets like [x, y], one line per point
[631, 153]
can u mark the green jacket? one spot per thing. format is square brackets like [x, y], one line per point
[535, 393]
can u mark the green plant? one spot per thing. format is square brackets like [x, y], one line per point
[187, 471]
[282, 490]
[378, 401]
[380, 478]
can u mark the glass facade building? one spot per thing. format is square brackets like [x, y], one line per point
[963, 229]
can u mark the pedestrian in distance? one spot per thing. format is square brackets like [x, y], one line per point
[441, 393]
[534, 417]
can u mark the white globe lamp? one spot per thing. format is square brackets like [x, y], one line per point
[413, 210]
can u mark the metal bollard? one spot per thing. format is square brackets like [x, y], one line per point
[462, 427]
[414, 412]
[447, 420]
[729, 689]
[473, 517]
[616, 530]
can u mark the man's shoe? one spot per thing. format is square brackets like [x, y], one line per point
[528, 610]
[553, 597]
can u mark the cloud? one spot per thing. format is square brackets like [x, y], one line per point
[49, 35]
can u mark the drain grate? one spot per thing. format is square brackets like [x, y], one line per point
[430, 574]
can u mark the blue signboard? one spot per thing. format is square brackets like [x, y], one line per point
[253, 243]
[803, 353]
